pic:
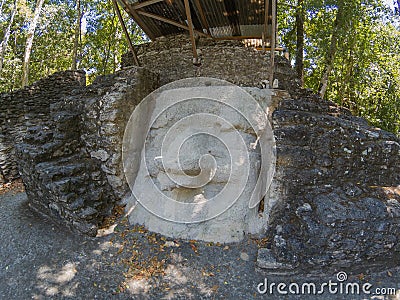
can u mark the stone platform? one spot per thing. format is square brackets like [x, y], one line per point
[334, 200]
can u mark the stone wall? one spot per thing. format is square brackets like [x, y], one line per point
[172, 58]
[108, 103]
[28, 106]
[70, 160]
[339, 187]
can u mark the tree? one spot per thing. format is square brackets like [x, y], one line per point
[300, 41]
[103, 43]
[29, 42]
[78, 30]
[332, 49]
[360, 69]
[4, 43]
[347, 50]
[1, 6]
[95, 45]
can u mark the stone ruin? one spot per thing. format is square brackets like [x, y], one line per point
[334, 199]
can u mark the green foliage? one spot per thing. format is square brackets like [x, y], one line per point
[100, 47]
[365, 76]
[104, 42]
[366, 73]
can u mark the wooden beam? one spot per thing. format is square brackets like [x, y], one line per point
[121, 20]
[191, 33]
[202, 16]
[269, 48]
[249, 37]
[273, 40]
[169, 21]
[138, 5]
[135, 16]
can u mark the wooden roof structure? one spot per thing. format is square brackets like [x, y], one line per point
[217, 19]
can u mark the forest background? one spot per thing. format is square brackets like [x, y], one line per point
[347, 51]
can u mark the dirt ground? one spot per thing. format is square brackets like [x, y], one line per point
[40, 260]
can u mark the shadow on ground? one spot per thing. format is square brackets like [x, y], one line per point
[40, 260]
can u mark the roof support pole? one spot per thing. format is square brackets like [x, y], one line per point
[202, 16]
[135, 16]
[273, 41]
[138, 5]
[121, 20]
[265, 32]
[190, 24]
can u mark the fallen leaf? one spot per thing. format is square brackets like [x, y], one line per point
[194, 248]
[171, 244]
[15, 187]
[207, 274]
[215, 288]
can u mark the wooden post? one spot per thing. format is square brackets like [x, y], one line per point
[265, 34]
[203, 16]
[273, 40]
[190, 24]
[121, 20]
[135, 16]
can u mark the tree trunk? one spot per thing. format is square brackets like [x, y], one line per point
[118, 35]
[398, 6]
[77, 36]
[300, 41]
[1, 6]
[332, 51]
[106, 57]
[15, 77]
[29, 42]
[4, 43]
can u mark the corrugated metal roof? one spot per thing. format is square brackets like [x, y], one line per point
[225, 18]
